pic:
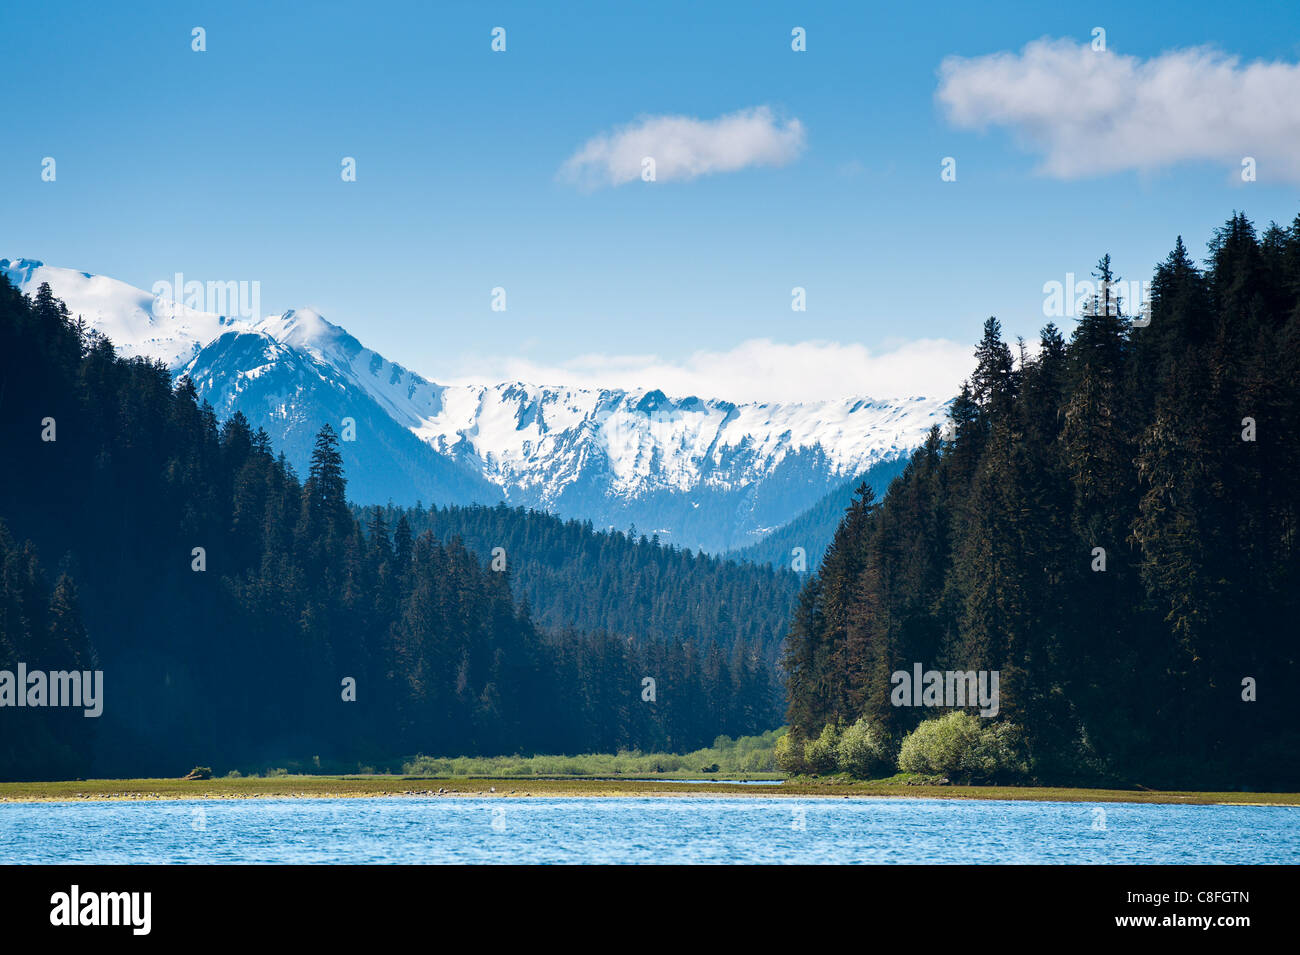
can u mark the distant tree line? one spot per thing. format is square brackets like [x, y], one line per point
[1112, 525]
[574, 576]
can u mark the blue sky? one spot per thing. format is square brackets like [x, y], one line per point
[225, 165]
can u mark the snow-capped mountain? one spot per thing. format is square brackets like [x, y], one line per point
[698, 471]
[138, 324]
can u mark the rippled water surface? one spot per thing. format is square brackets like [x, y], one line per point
[654, 830]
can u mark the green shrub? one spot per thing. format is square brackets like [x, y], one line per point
[864, 750]
[964, 748]
[1000, 754]
[820, 754]
[789, 755]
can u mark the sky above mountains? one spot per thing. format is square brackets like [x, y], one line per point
[523, 170]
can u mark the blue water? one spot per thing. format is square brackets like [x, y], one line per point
[655, 830]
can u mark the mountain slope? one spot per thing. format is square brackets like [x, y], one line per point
[291, 394]
[140, 325]
[813, 529]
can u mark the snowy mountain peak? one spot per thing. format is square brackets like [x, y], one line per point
[701, 472]
[305, 328]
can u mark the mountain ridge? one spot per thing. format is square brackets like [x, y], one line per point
[701, 472]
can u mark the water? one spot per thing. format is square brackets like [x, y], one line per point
[655, 830]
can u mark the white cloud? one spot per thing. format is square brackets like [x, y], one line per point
[760, 370]
[1091, 113]
[684, 148]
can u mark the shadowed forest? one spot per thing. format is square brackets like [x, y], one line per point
[1111, 525]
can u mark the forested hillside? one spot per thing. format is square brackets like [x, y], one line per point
[573, 576]
[240, 613]
[1112, 527]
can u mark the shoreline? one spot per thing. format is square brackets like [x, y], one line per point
[342, 787]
